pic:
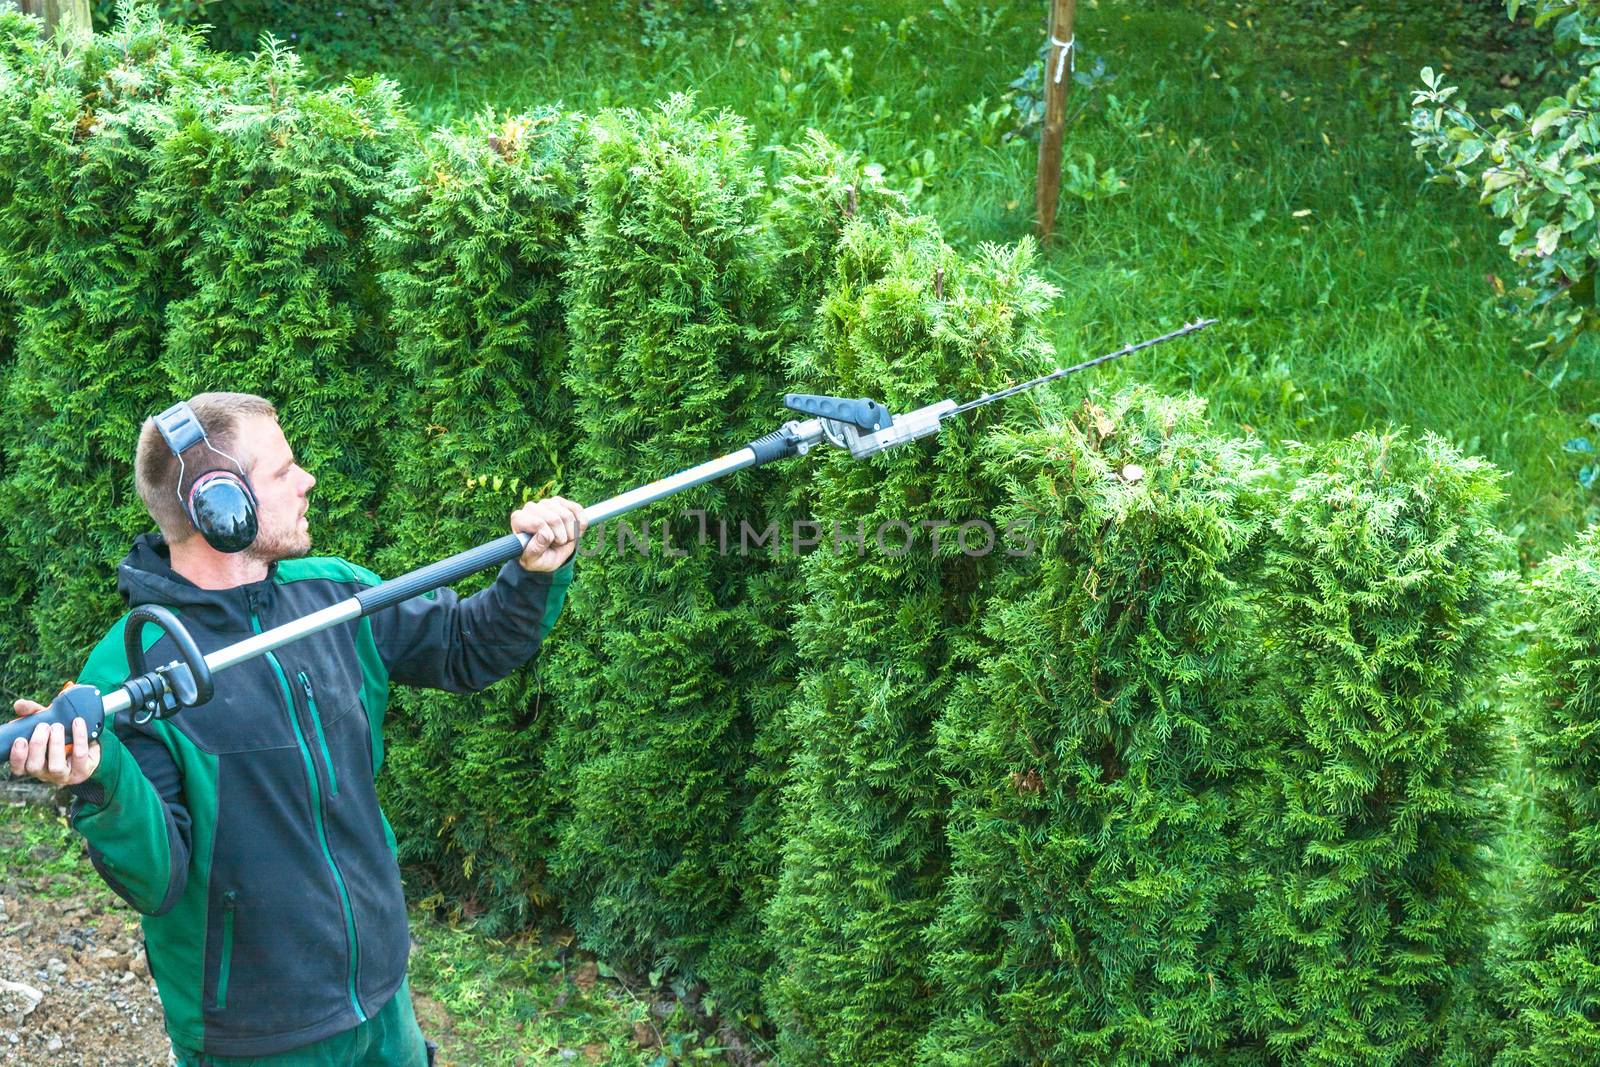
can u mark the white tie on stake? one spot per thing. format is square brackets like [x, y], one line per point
[863, 426]
[1068, 47]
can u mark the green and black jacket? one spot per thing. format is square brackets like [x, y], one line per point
[247, 830]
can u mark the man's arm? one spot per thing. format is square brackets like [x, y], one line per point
[132, 814]
[442, 641]
[127, 803]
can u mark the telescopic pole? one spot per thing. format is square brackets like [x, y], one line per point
[862, 426]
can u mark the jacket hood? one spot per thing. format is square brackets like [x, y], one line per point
[145, 576]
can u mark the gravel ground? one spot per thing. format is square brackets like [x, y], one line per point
[74, 985]
[75, 988]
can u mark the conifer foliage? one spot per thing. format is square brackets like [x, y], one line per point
[905, 320]
[19, 40]
[1202, 777]
[668, 309]
[87, 284]
[1553, 981]
[1364, 823]
[820, 188]
[473, 240]
[18, 43]
[1086, 917]
[262, 191]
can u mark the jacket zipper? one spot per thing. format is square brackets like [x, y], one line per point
[230, 901]
[318, 815]
[322, 740]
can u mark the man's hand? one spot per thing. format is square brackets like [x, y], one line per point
[45, 756]
[553, 527]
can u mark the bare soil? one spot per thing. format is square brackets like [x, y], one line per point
[75, 988]
[74, 984]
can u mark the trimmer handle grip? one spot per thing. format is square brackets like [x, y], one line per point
[76, 702]
[863, 413]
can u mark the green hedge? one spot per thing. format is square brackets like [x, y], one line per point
[18, 42]
[1088, 914]
[879, 630]
[1552, 978]
[262, 193]
[87, 282]
[1364, 828]
[820, 188]
[1209, 777]
[472, 240]
[670, 301]
[1246, 818]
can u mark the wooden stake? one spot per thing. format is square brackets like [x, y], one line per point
[1057, 81]
[74, 14]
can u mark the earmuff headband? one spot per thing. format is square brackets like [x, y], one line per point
[181, 430]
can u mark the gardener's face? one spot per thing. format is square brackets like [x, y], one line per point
[281, 486]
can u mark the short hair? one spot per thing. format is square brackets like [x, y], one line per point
[156, 469]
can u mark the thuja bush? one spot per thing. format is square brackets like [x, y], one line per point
[1092, 749]
[473, 242]
[87, 283]
[20, 36]
[878, 633]
[669, 302]
[261, 189]
[820, 188]
[1552, 982]
[19, 39]
[1368, 802]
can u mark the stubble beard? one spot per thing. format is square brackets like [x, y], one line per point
[282, 545]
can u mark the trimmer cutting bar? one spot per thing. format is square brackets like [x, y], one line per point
[989, 398]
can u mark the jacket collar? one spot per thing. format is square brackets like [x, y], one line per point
[145, 576]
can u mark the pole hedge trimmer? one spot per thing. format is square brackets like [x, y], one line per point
[863, 427]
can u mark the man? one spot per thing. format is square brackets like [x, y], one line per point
[247, 830]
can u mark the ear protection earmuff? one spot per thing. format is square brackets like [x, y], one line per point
[220, 504]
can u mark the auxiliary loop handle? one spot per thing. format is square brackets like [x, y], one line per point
[188, 679]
